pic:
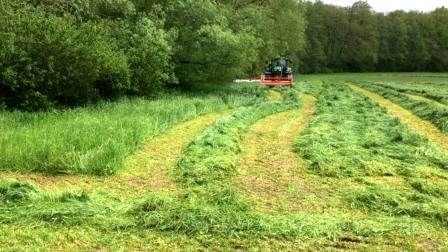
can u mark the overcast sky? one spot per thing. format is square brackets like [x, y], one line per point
[391, 5]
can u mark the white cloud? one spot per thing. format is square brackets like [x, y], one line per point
[391, 5]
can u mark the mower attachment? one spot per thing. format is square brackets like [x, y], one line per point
[276, 81]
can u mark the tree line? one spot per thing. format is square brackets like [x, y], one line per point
[72, 52]
[357, 39]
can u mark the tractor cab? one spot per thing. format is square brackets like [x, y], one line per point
[278, 73]
[278, 68]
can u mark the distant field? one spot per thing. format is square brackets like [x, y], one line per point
[409, 78]
[340, 162]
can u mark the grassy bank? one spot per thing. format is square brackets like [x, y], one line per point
[96, 140]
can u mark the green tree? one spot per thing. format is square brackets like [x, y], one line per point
[439, 57]
[361, 50]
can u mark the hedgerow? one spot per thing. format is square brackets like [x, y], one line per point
[70, 53]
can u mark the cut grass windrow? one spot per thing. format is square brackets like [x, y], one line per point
[433, 102]
[352, 136]
[212, 206]
[209, 205]
[205, 171]
[435, 114]
[430, 91]
[149, 170]
[420, 125]
[268, 167]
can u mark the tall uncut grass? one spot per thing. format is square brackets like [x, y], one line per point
[96, 140]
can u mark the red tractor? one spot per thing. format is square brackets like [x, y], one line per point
[278, 73]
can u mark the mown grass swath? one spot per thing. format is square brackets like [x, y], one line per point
[353, 137]
[23, 203]
[210, 204]
[96, 140]
[436, 92]
[354, 144]
[414, 79]
[436, 114]
[402, 202]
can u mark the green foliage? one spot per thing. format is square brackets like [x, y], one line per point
[149, 54]
[357, 39]
[59, 53]
[49, 60]
[219, 42]
[77, 52]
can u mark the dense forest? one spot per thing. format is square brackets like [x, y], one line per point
[72, 52]
[356, 39]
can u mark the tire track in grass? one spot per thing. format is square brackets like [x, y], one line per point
[275, 96]
[268, 165]
[416, 123]
[149, 170]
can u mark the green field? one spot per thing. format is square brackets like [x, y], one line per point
[339, 162]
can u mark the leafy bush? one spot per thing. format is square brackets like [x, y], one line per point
[49, 60]
[49, 57]
[206, 48]
[399, 203]
[149, 52]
